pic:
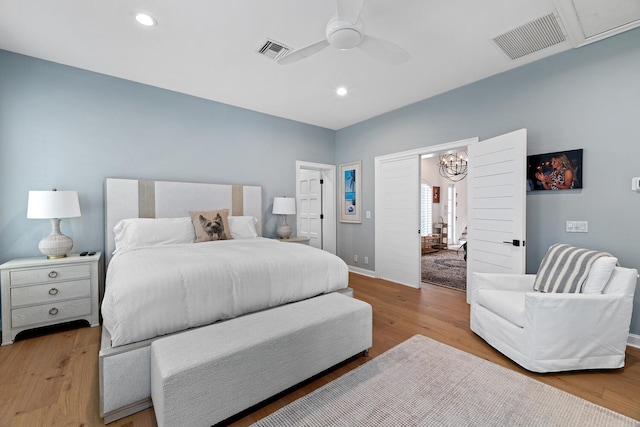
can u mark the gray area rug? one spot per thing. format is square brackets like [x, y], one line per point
[445, 268]
[422, 382]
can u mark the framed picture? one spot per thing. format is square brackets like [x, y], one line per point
[561, 170]
[435, 195]
[350, 192]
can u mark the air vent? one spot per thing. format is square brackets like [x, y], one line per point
[531, 37]
[274, 50]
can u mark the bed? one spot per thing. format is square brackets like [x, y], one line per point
[159, 282]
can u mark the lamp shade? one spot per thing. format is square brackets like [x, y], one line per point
[284, 206]
[53, 204]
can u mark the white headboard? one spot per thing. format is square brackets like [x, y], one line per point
[142, 198]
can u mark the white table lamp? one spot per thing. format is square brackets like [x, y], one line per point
[284, 206]
[54, 205]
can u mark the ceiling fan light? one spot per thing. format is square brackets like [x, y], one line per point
[345, 38]
[344, 35]
[146, 20]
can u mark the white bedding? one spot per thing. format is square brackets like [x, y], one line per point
[153, 291]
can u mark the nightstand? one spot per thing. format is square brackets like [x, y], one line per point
[303, 240]
[40, 292]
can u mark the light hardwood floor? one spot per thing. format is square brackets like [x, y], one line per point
[52, 379]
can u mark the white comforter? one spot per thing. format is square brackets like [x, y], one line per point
[153, 291]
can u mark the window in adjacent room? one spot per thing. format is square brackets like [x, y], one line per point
[426, 210]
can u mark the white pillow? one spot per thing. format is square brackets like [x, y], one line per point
[135, 232]
[599, 275]
[243, 227]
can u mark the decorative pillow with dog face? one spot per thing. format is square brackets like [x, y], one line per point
[211, 225]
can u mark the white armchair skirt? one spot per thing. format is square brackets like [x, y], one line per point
[550, 332]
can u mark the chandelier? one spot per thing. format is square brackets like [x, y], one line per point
[454, 166]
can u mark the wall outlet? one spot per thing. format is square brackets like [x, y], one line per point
[635, 183]
[366, 260]
[355, 258]
[577, 227]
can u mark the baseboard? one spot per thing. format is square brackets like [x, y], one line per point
[362, 271]
[634, 341]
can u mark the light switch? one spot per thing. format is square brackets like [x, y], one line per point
[577, 227]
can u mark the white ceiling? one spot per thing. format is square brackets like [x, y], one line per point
[208, 48]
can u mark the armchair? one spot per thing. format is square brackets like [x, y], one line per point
[550, 332]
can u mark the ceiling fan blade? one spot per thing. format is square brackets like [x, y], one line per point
[349, 10]
[384, 51]
[305, 52]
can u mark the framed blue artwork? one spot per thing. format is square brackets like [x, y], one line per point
[350, 192]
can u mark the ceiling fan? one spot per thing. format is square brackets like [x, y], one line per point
[346, 31]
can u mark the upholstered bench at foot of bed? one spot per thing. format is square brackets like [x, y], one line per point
[207, 375]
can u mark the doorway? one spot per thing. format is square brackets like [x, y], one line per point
[316, 206]
[496, 205]
[397, 205]
[443, 216]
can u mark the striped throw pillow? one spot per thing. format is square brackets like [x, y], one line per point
[565, 268]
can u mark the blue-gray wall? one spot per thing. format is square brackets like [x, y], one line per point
[586, 98]
[68, 128]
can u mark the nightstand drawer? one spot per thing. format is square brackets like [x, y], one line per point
[54, 312]
[51, 274]
[49, 292]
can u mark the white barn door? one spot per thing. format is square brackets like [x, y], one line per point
[397, 234]
[496, 191]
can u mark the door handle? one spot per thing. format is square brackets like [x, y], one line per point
[514, 242]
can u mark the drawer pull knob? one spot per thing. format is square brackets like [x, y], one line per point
[53, 274]
[53, 291]
[53, 311]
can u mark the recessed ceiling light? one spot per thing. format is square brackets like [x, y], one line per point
[341, 91]
[146, 20]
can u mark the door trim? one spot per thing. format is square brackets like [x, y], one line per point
[329, 228]
[424, 151]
